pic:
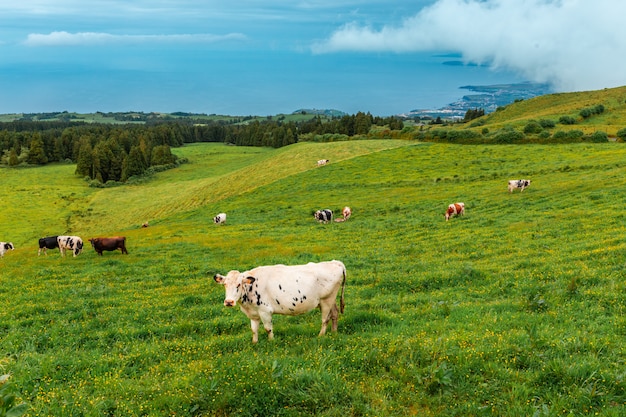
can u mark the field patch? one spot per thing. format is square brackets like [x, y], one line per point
[514, 309]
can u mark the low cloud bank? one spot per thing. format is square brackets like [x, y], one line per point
[572, 44]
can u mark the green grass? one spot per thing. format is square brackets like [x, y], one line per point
[553, 106]
[515, 309]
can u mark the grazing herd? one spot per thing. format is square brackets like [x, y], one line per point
[265, 290]
[74, 244]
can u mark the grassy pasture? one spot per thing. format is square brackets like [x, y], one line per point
[515, 309]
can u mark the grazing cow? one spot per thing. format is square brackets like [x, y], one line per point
[144, 225]
[5, 247]
[346, 212]
[46, 243]
[322, 162]
[323, 216]
[73, 243]
[455, 209]
[287, 290]
[513, 184]
[101, 244]
[220, 218]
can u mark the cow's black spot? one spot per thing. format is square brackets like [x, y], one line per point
[293, 304]
[277, 302]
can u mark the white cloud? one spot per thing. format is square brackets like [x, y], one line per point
[98, 38]
[575, 44]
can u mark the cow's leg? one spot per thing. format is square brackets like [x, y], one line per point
[266, 318]
[254, 325]
[334, 315]
[326, 316]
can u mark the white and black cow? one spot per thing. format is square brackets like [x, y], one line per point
[455, 209]
[513, 184]
[46, 243]
[5, 247]
[288, 290]
[323, 216]
[322, 162]
[73, 243]
[220, 218]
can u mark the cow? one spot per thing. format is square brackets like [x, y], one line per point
[322, 162]
[101, 244]
[346, 212]
[73, 243]
[46, 243]
[5, 247]
[220, 218]
[287, 290]
[455, 209]
[513, 184]
[323, 216]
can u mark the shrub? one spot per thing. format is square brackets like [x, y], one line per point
[532, 127]
[598, 137]
[622, 134]
[509, 136]
[567, 120]
[547, 124]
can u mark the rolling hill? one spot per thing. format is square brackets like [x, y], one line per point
[516, 308]
[554, 106]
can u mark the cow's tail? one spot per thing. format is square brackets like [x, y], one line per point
[343, 284]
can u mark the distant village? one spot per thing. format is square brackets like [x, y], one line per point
[490, 97]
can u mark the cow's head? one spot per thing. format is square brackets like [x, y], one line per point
[93, 241]
[9, 246]
[79, 247]
[233, 283]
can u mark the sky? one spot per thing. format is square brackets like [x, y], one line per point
[247, 57]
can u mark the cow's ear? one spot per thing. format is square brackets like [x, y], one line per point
[219, 278]
[249, 280]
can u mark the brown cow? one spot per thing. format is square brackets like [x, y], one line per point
[457, 209]
[109, 244]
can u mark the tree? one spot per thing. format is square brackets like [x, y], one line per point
[472, 114]
[36, 153]
[162, 155]
[84, 165]
[134, 164]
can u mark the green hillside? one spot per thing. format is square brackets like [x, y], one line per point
[553, 106]
[517, 308]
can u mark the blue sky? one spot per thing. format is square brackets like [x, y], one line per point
[251, 57]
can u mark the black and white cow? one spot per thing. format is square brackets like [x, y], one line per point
[220, 218]
[46, 243]
[323, 216]
[287, 290]
[5, 247]
[73, 243]
[513, 184]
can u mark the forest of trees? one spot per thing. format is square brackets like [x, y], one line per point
[117, 152]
